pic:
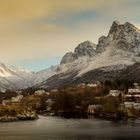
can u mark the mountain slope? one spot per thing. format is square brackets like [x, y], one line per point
[113, 53]
[16, 78]
[116, 55]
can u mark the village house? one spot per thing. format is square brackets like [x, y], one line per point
[132, 105]
[14, 101]
[115, 93]
[133, 94]
[40, 92]
[6, 102]
[17, 98]
[129, 105]
[92, 85]
[54, 90]
[137, 106]
[19, 91]
[81, 85]
[49, 103]
[136, 85]
[133, 91]
[93, 109]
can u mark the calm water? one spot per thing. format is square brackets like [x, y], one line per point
[55, 128]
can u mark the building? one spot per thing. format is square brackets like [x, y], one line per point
[93, 109]
[136, 85]
[40, 92]
[115, 93]
[49, 103]
[92, 85]
[17, 98]
[133, 93]
[132, 105]
[14, 101]
[96, 84]
[6, 102]
[54, 90]
[129, 105]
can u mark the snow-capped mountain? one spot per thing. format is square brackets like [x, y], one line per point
[12, 78]
[110, 58]
[17, 78]
[114, 52]
[85, 49]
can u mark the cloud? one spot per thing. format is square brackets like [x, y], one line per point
[39, 29]
[27, 9]
[50, 28]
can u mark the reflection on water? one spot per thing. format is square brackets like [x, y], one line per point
[55, 128]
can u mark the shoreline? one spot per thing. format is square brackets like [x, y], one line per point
[8, 119]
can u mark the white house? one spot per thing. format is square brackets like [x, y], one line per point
[82, 84]
[40, 92]
[136, 85]
[6, 102]
[129, 105]
[132, 105]
[114, 93]
[17, 98]
[133, 92]
[92, 85]
[49, 103]
[137, 106]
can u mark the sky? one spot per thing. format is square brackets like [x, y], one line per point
[35, 34]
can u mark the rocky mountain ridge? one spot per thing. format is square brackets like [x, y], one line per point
[116, 52]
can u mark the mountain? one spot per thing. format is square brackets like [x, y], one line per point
[16, 78]
[86, 49]
[116, 55]
[111, 58]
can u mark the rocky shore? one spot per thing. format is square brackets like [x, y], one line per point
[19, 117]
[16, 113]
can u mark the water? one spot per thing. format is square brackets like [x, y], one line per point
[56, 128]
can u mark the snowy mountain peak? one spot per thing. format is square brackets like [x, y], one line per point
[114, 27]
[68, 57]
[114, 52]
[127, 26]
[125, 36]
[102, 44]
[5, 71]
[86, 48]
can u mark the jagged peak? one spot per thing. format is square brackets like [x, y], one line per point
[116, 22]
[117, 25]
[128, 25]
[68, 57]
[85, 44]
[102, 38]
[85, 48]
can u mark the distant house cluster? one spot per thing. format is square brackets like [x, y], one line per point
[131, 99]
[14, 100]
[94, 84]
